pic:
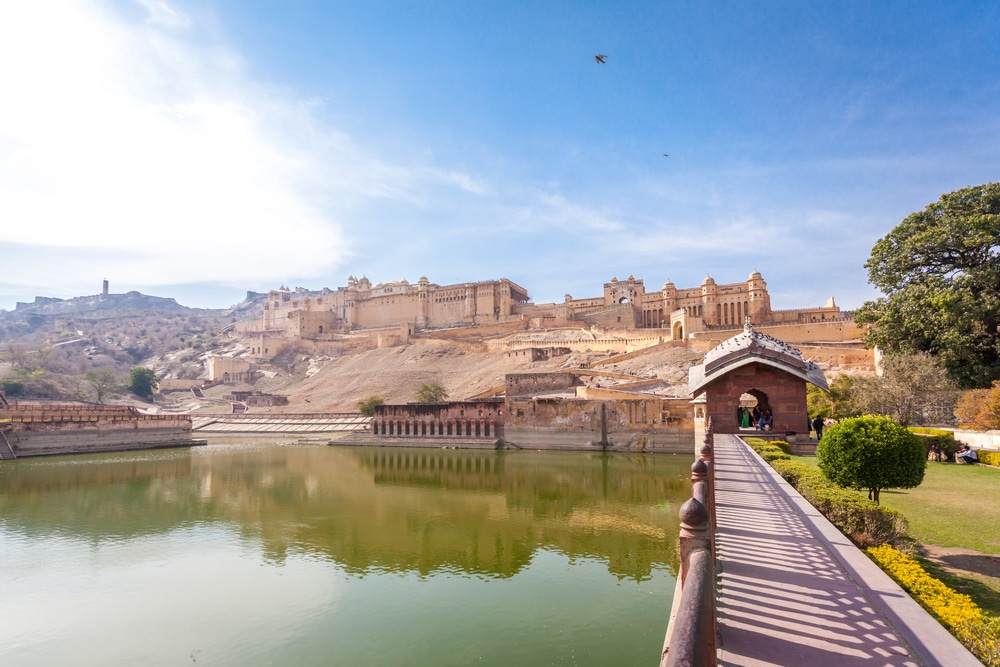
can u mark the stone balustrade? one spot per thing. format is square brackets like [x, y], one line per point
[691, 633]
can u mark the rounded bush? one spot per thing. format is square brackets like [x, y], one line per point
[871, 453]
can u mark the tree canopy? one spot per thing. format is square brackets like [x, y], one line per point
[939, 270]
[431, 392]
[104, 380]
[913, 388]
[367, 406]
[979, 409]
[871, 453]
[142, 381]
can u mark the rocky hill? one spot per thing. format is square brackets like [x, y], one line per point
[467, 370]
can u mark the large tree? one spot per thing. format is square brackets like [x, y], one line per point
[913, 388]
[940, 272]
[104, 380]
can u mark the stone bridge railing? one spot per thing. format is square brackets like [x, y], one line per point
[690, 640]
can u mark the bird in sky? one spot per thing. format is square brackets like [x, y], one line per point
[666, 155]
[600, 58]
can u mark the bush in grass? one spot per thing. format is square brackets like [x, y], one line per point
[977, 630]
[871, 453]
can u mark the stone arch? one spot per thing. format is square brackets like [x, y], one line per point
[678, 331]
[762, 404]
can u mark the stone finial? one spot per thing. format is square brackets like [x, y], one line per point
[748, 325]
[693, 513]
[699, 467]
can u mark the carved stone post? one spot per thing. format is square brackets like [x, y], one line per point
[692, 640]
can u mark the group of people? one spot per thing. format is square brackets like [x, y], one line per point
[762, 420]
[965, 454]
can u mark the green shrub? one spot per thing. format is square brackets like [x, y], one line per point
[793, 471]
[367, 406]
[871, 453]
[12, 387]
[865, 522]
[782, 445]
[769, 450]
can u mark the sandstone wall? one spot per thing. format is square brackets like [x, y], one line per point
[526, 384]
[85, 438]
[786, 396]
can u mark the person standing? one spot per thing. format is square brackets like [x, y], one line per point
[818, 427]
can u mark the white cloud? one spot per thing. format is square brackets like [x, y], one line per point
[156, 150]
[162, 13]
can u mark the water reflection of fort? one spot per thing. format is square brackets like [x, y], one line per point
[479, 512]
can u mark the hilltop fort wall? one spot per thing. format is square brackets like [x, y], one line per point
[389, 313]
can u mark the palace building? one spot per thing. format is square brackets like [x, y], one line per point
[395, 310]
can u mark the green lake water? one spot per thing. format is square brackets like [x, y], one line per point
[314, 555]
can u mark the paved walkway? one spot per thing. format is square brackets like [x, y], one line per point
[794, 591]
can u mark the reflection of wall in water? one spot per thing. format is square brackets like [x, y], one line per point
[402, 510]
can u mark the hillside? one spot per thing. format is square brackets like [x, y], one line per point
[328, 384]
[50, 349]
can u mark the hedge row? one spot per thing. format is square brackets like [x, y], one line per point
[770, 450]
[977, 630]
[989, 458]
[921, 430]
[865, 522]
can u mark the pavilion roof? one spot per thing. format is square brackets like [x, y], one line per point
[753, 347]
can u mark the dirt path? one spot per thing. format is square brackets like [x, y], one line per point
[963, 561]
[966, 571]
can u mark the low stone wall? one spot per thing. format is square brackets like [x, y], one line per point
[979, 439]
[84, 438]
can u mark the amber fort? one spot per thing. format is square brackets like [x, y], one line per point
[625, 317]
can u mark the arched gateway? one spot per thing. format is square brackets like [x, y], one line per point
[762, 366]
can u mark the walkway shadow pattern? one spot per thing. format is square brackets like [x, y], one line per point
[782, 597]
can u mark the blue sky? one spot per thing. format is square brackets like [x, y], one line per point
[201, 149]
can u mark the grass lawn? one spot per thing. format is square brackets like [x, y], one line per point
[955, 506]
